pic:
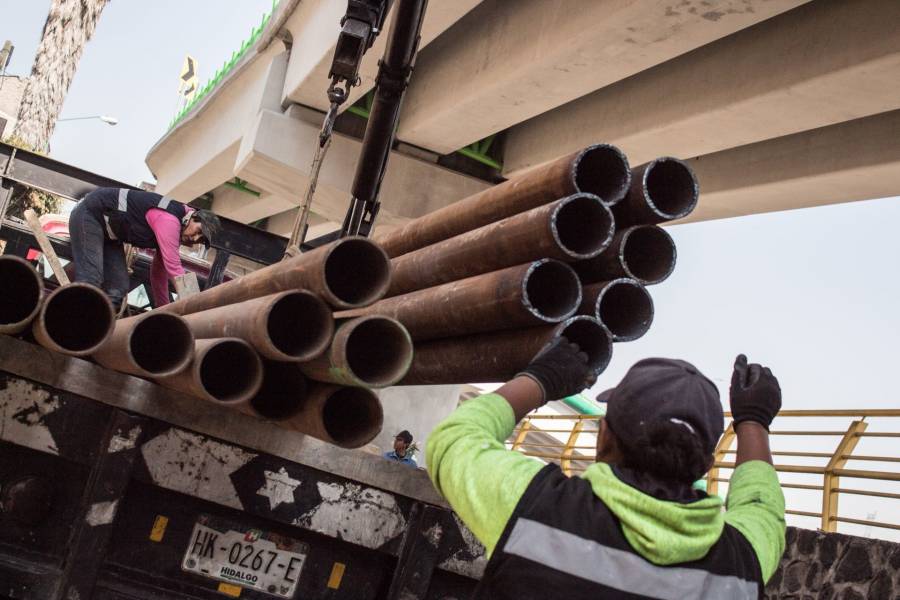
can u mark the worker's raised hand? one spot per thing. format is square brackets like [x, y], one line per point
[755, 393]
[561, 369]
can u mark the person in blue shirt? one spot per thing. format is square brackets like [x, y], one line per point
[400, 453]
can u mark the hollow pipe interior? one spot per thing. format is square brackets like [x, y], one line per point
[228, 370]
[583, 226]
[352, 416]
[161, 343]
[552, 290]
[357, 272]
[603, 170]
[378, 351]
[21, 291]
[77, 317]
[649, 254]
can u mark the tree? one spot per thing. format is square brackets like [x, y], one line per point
[70, 25]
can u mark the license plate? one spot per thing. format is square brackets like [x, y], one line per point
[251, 558]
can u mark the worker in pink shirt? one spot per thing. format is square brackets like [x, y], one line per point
[107, 218]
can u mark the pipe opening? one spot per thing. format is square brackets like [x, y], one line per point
[300, 325]
[552, 291]
[603, 170]
[626, 308]
[357, 272]
[648, 254]
[352, 417]
[671, 188]
[593, 339]
[21, 294]
[229, 369]
[282, 393]
[583, 226]
[161, 344]
[379, 351]
[77, 317]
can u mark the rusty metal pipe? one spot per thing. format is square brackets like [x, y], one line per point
[154, 344]
[225, 371]
[347, 273]
[371, 351]
[661, 190]
[75, 319]
[22, 290]
[574, 228]
[623, 305]
[288, 326]
[348, 417]
[645, 253]
[495, 357]
[601, 170]
[282, 394]
[544, 291]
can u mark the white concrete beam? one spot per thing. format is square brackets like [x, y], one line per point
[198, 154]
[820, 64]
[855, 160]
[314, 27]
[506, 62]
[276, 155]
[283, 224]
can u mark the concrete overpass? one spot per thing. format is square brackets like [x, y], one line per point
[779, 104]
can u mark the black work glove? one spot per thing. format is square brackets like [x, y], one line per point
[755, 394]
[561, 369]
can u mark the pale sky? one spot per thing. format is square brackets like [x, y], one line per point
[811, 293]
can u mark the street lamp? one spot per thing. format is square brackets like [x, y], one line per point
[105, 118]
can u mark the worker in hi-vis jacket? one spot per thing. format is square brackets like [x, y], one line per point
[631, 525]
[107, 218]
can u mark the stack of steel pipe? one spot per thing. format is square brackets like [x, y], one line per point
[563, 249]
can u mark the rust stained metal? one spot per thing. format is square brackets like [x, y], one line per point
[645, 253]
[22, 291]
[288, 326]
[348, 417]
[154, 344]
[577, 227]
[544, 291]
[225, 371]
[661, 190]
[623, 305]
[601, 170]
[75, 319]
[496, 357]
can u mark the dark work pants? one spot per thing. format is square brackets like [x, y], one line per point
[99, 260]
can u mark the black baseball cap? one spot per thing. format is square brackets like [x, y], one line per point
[209, 224]
[405, 436]
[665, 389]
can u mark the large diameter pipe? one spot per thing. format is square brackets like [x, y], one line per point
[575, 228]
[75, 319]
[154, 344]
[282, 394]
[370, 351]
[21, 290]
[601, 170]
[495, 357]
[225, 371]
[645, 253]
[544, 291]
[623, 305]
[661, 190]
[287, 326]
[347, 273]
[348, 417]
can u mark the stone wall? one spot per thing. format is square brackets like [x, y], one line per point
[832, 566]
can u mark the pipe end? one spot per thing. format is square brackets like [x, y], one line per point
[75, 319]
[648, 254]
[379, 350]
[670, 187]
[161, 344]
[352, 417]
[357, 272]
[592, 337]
[299, 325]
[230, 371]
[551, 290]
[22, 290]
[625, 307]
[582, 225]
[602, 170]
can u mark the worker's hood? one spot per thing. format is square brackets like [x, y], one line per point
[662, 531]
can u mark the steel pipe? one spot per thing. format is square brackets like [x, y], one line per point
[154, 344]
[288, 326]
[282, 394]
[224, 371]
[661, 190]
[574, 228]
[495, 357]
[348, 417]
[601, 170]
[623, 305]
[645, 253]
[371, 351]
[347, 273]
[75, 319]
[22, 290]
[544, 291]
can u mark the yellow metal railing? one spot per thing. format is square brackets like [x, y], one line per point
[822, 454]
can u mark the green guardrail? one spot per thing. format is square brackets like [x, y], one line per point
[227, 66]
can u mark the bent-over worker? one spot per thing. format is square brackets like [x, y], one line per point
[107, 218]
[632, 525]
